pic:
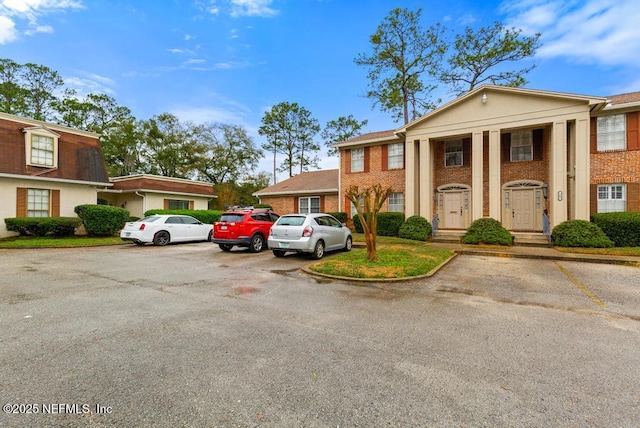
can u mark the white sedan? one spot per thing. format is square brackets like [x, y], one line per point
[162, 229]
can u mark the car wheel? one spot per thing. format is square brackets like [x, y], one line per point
[349, 244]
[161, 238]
[210, 236]
[225, 247]
[278, 253]
[318, 251]
[257, 244]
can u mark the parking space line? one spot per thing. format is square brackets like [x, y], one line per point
[581, 286]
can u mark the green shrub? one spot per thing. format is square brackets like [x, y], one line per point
[205, 216]
[580, 233]
[621, 228]
[389, 223]
[487, 231]
[43, 226]
[341, 216]
[263, 206]
[416, 228]
[357, 224]
[102, 220]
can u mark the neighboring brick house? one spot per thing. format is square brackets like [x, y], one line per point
[315, 191]
[142, 192]
[46, 170]
[518, 155]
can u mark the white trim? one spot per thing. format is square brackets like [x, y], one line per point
[295, 192]
[390, 139]
[55, 180]
[164, 192]
[160, 178]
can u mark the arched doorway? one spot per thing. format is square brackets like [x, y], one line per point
[523, 205]
[453, 203]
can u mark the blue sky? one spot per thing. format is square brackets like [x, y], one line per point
[231, 60]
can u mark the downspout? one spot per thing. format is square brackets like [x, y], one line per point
[144, 202]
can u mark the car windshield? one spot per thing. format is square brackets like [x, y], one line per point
[232, 218]
[149, 219]
[290, 221]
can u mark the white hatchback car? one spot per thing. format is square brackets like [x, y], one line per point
[309, 233]
[162, 229]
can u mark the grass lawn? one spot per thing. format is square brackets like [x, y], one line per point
[398, 258]
[51, 242]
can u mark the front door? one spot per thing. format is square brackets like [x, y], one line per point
[453, 210]
[523, 209]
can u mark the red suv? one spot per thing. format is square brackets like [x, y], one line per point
[244, 228]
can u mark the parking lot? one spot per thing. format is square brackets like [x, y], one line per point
[186, 335]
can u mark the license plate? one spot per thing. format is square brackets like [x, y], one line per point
[127, 234]
[284, 245]
[223, 227]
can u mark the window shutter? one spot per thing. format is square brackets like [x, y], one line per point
[191, 205]
[466, 151]
[347, 207]
[321, 204]
[166, 204]
[538, 144]
[366, 159]
[21, 202]
[593, 131]
[385, 157]
[505, 143]
[347, 161]
[593, 199]
[633, 142]
[55, 203]
[633, 197]
[296, 204]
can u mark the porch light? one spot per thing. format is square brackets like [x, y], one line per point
[545, 190]
[484, 98]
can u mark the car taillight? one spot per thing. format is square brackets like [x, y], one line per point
[142, 226]
[307, 232]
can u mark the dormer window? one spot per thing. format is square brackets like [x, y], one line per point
[41, 147]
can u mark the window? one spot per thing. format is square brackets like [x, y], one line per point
[453, 153]
[521, 146]
[38, 202]
[612, 132]
[309, 205]
[178, 204]
[395, 159]
[354, 212]
[611, 198]
[396, 202]
[41, 147]
[357, 160]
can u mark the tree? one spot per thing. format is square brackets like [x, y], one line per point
[477, 56]
[289, 129]
[230, 153]
[40, 84]
[403, 54]
[341, 129]
[96, 112]
[12, 94]
[368, 209]
[121, 148]
[171, 148]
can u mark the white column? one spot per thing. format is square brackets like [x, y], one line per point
[495, 191]
[581, 208]
[558, 174]
[426, 180]
[410, 178]
[477, 149]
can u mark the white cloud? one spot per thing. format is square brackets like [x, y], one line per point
[91, 83]
[252, 8]
[592, 31]
[13, 11]
[7, 30]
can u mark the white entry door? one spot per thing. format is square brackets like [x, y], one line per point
[453, 210]
[523, 209]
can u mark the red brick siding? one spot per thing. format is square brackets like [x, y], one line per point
[537, 169]
[289, 204]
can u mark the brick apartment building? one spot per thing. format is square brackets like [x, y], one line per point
[525, 157]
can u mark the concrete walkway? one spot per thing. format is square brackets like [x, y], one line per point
[532, 252]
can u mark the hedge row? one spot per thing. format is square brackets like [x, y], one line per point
[622, 228]
[102, 220]
[205, 216]
[388, 223]
[43, 226]
[341, 216]
[415, 228]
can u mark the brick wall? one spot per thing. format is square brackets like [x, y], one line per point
[376, 174]
[289, 204]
